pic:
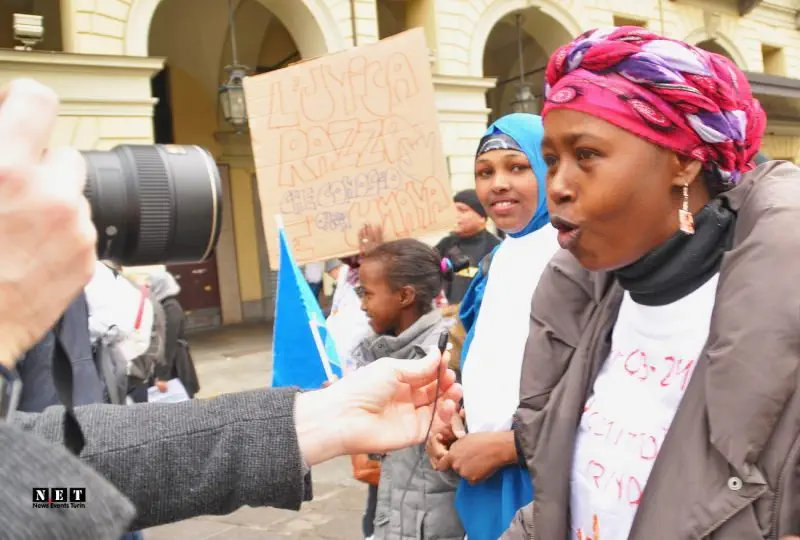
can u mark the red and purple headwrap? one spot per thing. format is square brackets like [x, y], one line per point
[680, 97]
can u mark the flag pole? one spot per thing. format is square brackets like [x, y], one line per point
[323, 354]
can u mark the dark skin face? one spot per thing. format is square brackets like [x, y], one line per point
[389, 311]
[622, 192]
[507, 188]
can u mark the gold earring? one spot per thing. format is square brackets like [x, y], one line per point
[685, 217]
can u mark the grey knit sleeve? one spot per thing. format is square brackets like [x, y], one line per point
[176, 461]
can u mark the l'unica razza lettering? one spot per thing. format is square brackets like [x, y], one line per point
[59, 497]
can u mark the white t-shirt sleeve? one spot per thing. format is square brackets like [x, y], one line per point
[100, 298]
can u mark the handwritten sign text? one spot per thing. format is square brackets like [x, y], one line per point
[347, 139]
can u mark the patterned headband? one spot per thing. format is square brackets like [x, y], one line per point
[497, 141]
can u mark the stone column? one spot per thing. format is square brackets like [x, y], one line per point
[359, 17]
[105, 100]
[463, 116]
[232, 158]
[94, 27]
[785, 146]
[422, 13]
[245, 258]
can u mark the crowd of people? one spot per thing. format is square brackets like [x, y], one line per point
[121, 339]
[605, 337]
[630, 360]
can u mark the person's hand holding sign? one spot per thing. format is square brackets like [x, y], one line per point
[369, 236]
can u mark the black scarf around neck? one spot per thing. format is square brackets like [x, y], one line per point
[683, 263]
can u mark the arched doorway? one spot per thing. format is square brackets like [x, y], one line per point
[719, 43]
[541, 34]
[311, 21]
[391, 17]
[783, 146]
[194, 39]
[714, 46]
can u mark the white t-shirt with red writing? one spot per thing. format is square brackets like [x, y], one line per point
[630, 409]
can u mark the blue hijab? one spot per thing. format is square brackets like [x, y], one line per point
[486, 509]
[527, 131]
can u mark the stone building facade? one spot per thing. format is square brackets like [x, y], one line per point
[117, 64]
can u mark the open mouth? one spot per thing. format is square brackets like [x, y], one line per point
[568, 232]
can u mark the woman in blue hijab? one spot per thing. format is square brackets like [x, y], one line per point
[509, 178]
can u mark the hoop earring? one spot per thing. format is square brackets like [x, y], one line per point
[685, 217]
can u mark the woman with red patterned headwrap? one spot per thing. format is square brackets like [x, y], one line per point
[659, 388]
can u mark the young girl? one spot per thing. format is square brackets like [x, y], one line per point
[348, 326]
[399, 281]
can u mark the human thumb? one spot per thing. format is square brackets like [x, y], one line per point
[420, 372]
[457, 425]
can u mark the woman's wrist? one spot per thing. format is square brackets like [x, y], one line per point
[317, 417]
[505, 449]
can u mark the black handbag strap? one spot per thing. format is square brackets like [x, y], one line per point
[63, 380]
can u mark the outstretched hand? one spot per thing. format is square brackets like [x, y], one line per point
[382, 407]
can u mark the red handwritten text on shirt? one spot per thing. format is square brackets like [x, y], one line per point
[599, 425]
[624, 487]
[668, 369]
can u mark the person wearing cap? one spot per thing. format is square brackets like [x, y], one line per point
[469, 239]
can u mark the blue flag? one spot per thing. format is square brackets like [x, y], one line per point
[299, 333]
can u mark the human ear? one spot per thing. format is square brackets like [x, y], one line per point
[685, 170]
[407, 296]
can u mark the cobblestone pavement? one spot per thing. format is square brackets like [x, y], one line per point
[238, 359]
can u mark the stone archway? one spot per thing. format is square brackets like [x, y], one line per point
[718, 43]
[310, 22]
[194, 38]
[555, 26]
[542, 34]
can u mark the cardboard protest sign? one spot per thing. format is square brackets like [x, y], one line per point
[348, 139]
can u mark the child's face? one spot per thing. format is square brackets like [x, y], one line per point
[381, 304]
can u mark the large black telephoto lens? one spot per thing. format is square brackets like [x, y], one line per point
[156, 204]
